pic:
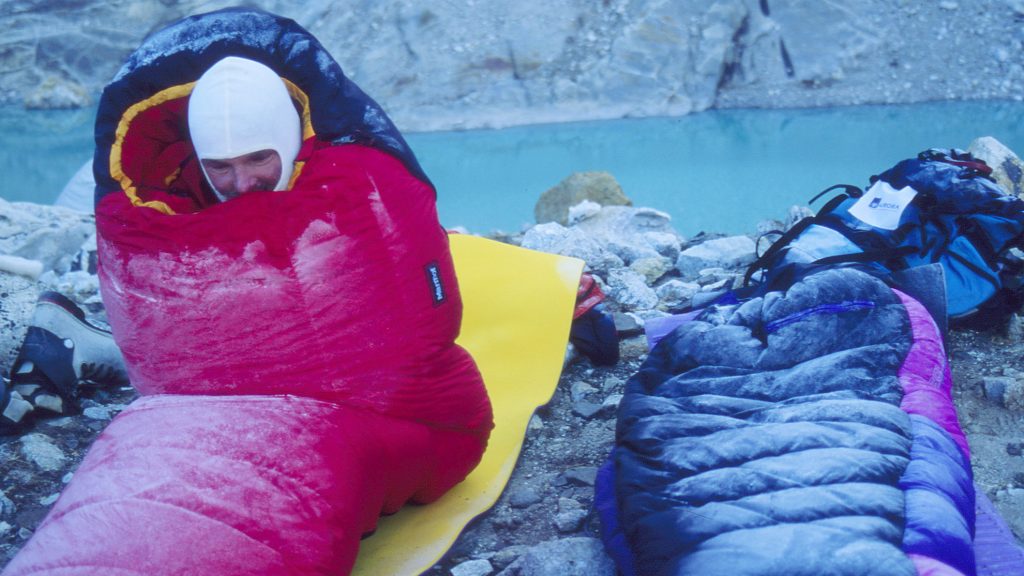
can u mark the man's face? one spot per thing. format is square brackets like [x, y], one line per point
[232, 177]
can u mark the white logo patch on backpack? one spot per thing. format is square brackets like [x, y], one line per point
[882, 205]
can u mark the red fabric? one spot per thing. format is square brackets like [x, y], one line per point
[299, 375]
[158, 158]
[588, 295]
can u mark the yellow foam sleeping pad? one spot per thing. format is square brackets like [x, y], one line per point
[517, 307]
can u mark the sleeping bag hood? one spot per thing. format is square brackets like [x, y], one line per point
[340, 288]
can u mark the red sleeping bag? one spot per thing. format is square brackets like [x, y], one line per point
[296, 359]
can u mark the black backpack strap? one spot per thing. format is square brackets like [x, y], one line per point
[765, 260]
[849, 191]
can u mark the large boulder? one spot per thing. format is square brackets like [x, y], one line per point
[16, 308]
[1007, 168]
[631, 233]
[598, 187]
[557, 239]
[50, 234]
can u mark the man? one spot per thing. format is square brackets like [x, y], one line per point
[274, 271]
[244, 128]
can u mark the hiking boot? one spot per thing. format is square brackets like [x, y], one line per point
[62, 351]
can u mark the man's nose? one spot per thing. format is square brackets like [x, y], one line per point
[245, 181]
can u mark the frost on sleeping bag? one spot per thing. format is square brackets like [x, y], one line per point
[805, 432]
[294, 350]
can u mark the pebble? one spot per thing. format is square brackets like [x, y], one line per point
[508, 555]
[578, 556]
[581, 476]
[585, 408]
[536, 424]
[97, 413]
[580, 390]
[611, 403]
[49, 499]
[627, 325]
[7, 507]
[473, 568]
[570, 521]
[523, 497]
[40, 450]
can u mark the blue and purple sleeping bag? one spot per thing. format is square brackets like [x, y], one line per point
[808, 431]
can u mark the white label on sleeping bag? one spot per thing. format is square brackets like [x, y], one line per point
[882, 205]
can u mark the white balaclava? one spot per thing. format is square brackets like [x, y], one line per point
[240, 106]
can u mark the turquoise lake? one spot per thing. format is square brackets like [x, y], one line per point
[719, 171]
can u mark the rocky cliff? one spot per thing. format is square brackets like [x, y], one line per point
[470, 63]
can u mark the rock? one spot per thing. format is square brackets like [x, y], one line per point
[652, 269]
[627, 325]
[502, 558]
[473, 568]
[583, 210]
[677, 293]
[571, 521]
[1015, 329]
[580, 390]
[536, 424]
[7, 508]
[632, 233]
[581, 476]
[630, 290]
[995, 387]
[97, 413]
[565, 557]
[1007, 168]
[523, 497]
[39, 449]
[598, 187]
[474, 64]
[557, 239]
[585, 408]
[611, 403]
[1013, 396]
[57, 92]
[1005, 390]
[18, 302]
[49, 234]
[629, 252]
[730, 252]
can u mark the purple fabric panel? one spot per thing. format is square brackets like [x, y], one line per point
[995, 548]
[657, 328]
[612, 534]
[925, 375]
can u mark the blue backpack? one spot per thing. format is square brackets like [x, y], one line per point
[939, 208]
